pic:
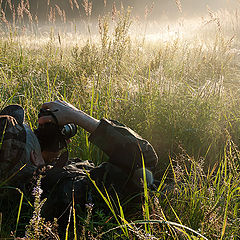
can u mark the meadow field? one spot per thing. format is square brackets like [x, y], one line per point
[176, 84]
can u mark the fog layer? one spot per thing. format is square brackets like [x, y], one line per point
[74, 9]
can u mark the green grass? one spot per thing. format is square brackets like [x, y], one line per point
[182, 94]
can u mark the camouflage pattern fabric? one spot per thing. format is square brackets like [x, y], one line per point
[16, 142]
[125, 150]
[12, 149]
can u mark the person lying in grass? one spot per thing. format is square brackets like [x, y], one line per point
[24, 153]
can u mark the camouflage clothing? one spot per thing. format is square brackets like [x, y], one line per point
[17, 141]
[13, 146]
[125, 150]
[121, 174]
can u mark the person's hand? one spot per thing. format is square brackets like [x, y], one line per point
[63, 111]
[66, 113]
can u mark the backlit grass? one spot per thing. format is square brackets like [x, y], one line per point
[179, 90]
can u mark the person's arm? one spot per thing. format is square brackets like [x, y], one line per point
[67, 113]
[124, 147]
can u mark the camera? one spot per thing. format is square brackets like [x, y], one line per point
[51, 136]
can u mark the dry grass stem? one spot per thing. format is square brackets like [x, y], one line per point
[179, 5]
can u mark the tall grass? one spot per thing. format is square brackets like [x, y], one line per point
[179, 91]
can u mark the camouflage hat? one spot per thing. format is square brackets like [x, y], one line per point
[16, 142]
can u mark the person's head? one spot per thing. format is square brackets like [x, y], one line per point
[20, 150]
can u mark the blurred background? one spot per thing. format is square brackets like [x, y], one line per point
[157, 10]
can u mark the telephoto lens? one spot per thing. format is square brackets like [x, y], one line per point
[69, 130]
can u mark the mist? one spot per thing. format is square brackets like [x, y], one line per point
[154, 10]
[172, 10]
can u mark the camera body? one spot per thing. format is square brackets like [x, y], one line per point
[51, 136]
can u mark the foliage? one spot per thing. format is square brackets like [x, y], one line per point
[181, 94]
